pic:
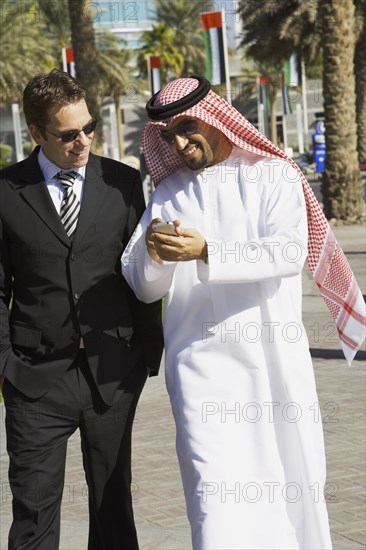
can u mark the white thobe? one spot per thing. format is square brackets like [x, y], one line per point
[238, 369]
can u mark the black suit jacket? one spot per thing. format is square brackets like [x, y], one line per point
[62, 291]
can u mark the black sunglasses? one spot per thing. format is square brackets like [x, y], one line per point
[187, 128]
[67, 137]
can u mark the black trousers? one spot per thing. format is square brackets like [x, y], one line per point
[37, 434]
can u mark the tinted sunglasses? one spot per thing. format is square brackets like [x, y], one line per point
[187, 128]
[67, 137]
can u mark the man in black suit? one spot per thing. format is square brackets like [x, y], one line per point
[77, 346]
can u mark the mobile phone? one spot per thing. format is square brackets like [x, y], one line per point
[168, 228]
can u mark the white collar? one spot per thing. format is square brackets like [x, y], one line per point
[49, 169]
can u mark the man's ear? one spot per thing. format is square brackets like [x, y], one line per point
[36, 134]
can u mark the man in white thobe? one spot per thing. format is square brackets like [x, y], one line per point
[238, 368]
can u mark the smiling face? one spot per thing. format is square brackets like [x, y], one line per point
[205, 147]
[70, 117]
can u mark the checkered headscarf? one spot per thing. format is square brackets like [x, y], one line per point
[326, 259]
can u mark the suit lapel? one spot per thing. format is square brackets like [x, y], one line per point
[36, 194]
[94, 193]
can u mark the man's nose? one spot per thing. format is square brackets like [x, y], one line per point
[84, 139]
[180, 142]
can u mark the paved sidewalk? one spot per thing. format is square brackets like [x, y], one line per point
[158, 498]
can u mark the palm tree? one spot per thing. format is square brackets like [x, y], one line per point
[111, 57]
[112, 61]
[23, 54]
[161, 41]
[85, 54]
[277, 29]
[183, 17]
[57, 18]
[360, 74]
[273, 31]
[177, 39]
[341, 182]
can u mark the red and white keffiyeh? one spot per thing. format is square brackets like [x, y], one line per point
[326, 259]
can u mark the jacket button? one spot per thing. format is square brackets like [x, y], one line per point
[75, 337]
[76, 296]
[73, 256]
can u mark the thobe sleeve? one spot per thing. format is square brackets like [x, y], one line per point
[280, 252]
[149, 280]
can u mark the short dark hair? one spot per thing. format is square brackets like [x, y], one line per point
[45, 91]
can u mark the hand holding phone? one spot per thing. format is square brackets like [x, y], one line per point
[167, 228]
[190, 245]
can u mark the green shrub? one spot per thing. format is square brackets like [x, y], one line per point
[27, 147]
[6, 152]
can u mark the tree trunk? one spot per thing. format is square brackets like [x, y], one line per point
[117, 103]
[85, 55]
[341, 179]
[360, 73]
[272, 90]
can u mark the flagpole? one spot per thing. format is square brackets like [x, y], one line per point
[226, 57]
[304, 104]
[260, 108]
[300, 129]
[64, 61]
[284, 130]
[149, 75]
[17, 132]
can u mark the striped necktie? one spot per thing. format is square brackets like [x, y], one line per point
[70, 206]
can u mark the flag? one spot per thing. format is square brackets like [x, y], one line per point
[287, 108]
[211, 22]
[291, 76]
[292, 71]
[68, 61]
[155, 73]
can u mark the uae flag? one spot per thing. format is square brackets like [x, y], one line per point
[68, 61]
[214, 45]
[155, 73]
[292, 71]
[291, 77]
